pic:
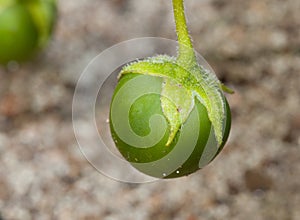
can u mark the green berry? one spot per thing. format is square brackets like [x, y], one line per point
[169, 116]
[146, 159]
[25, 27]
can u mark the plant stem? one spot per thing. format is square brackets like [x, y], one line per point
[186, 55]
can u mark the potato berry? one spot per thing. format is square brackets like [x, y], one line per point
[168, 115]
[25, 26]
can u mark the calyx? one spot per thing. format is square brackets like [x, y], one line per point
[181, 85]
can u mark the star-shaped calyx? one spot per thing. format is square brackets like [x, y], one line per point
[180, 87]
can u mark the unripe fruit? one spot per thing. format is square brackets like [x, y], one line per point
[169, 116]
[25, 27]
[147, 159]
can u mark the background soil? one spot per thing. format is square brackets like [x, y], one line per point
[254, 47]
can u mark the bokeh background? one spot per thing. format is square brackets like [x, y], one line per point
[254, 47]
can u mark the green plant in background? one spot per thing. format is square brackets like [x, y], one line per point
[25, 27]
[169, 116]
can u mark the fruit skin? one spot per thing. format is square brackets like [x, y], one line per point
[139, 116]
[25, 26]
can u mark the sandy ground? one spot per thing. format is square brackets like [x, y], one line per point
[254, 47]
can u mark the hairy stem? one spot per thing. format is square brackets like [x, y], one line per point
[186, 55]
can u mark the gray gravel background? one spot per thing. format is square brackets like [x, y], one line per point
[254, 47]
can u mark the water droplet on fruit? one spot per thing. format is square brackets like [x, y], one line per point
[164, 174]
[177, 171]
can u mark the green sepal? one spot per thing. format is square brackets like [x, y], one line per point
[177, 103]
[43, 13]
[197, 82]
[214, 100]
[227, 89]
